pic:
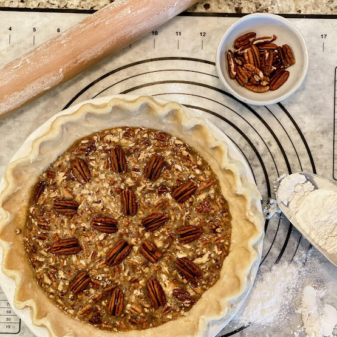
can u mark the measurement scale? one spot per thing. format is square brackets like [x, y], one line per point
[9, 322]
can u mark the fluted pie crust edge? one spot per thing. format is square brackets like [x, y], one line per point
[242, 196]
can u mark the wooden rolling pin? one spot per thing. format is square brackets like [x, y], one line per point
[68, 54]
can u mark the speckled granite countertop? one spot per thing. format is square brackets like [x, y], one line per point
[215, 6]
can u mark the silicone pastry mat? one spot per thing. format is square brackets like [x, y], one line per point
[176, 62]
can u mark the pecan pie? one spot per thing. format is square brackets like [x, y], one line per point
[127, 229]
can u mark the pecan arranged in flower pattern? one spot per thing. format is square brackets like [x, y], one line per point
[66, 247]
[118, 253]
[154, 167]
[80, 170]
[154, 221]
[183, 192]
[104, 224]
[118, 272]
[189, 233]
[150, 251]
[79, 282]
[118, 160]
[128, 200]
[116, 304]
[183, 296]
[66, 207]
[156, 293]
[187, 268]
[40, 186]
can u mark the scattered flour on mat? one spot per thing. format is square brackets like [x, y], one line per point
[329, 319]
[289, 290]
[281, 293]
[311, 318]
[318, 318]
[270, 296]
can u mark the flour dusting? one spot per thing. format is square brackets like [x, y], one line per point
[285, 291]
[18, 98]
[311, 318]
[329, 319]
[318, 317]
[271, 295]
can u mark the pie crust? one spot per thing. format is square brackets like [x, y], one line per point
[242, 197]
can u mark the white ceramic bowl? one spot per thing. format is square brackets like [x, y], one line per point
[264, 25]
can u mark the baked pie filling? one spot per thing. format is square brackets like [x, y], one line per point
[127, 229]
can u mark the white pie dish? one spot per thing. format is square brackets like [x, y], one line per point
[9, 285]
[264, 25]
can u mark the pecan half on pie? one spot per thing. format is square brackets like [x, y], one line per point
[127, 229]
